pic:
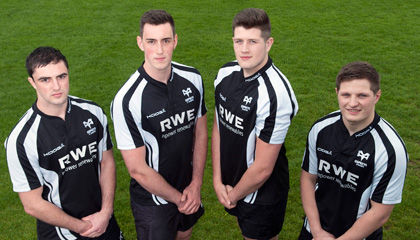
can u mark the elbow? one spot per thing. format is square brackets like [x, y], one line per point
[30, 210]
[137, 175]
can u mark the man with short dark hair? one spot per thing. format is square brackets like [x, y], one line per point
[60, 157]
[354, 165]
[160, 125]
[254, 104]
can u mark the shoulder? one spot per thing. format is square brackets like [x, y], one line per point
[22, 127]
[390, 137]
[226, 70]
[86, 105]
[184, 68]
[326, 121]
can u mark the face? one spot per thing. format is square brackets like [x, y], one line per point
[158, 44]
[357, 103]
[251, 50]
[51, 84]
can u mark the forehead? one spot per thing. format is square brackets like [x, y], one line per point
[51, 69]
[355, 85]
[244, 33]
[157, 31]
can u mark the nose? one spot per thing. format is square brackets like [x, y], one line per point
[56, 84]
[159, 48]
[244, 47]
[353, 101]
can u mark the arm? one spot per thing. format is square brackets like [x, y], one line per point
[307, 192]
[147, 177]
[36, 206]
[256, 175]
[100, 219]
[219, 187]
[191, 193]
[371, 220]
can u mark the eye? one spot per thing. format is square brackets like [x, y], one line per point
[253, 41]
[43, 79]
[237, 41]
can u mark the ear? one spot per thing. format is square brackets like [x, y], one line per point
[140, 43]
[175, 40]
[32, 82]
[378, 95]
[336, 91]
[269, 43]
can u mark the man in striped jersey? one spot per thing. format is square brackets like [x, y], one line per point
[160, 125]
[254, 104]
[60, 157]
[354, 165]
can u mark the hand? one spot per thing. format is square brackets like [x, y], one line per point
[99, 222]
[232, 202]
[323, 235]
[222, 194]
[190, 199]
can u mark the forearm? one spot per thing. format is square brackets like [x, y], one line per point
[370, 221]
[47, 212]
[307, 191]
[199, 151]
[108, 181]
[257, 174]
[215, 154]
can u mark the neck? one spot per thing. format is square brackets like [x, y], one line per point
[161, 75]
[354, 127]
[53, 110]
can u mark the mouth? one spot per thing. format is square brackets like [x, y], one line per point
[245, 57]
[57, 95]
[353, 111]
[160, 59]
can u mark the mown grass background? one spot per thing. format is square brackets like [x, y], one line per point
[313, 40]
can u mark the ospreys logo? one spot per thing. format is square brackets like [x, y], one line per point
[186, 92]
[88, 124]
[363, 156]
[247, 100]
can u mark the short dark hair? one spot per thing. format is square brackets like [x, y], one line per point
[156, 17]
[253, 17]
[359, 70]
[42, 56]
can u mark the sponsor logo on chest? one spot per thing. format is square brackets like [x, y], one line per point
[338, 174]
[177, 119]
[78, 154]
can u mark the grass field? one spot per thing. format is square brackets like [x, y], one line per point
[313, 39]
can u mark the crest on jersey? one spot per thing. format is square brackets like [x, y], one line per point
[362, 156]
[88, 124]
[186, 92]
[247, 100]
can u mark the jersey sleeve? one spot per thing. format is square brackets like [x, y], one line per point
[276, 107]
[203, 109]
[390, 166]
[126, 114]
[22, 155]
[310, 160]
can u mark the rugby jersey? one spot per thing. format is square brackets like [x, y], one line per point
[261, 105]
[161, 117]
[62, 156]
[352, 170]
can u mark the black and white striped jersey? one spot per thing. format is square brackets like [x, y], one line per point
[352, 170]
[62, 156]
[262, 106]
[162, 118]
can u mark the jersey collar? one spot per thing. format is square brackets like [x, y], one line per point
[36, 109]
[366, 130]
[153, 81]
[257, 74]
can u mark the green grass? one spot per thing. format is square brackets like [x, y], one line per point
[313, 39]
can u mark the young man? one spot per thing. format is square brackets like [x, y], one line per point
[60, 157]
[254, 108]
[354, 165]
[161, 130]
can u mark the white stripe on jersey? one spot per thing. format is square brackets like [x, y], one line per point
[312, 139]
[263, 106]
[123, 135]
[395, 186]
[17, 174]
[224, 72]
[250, 150]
